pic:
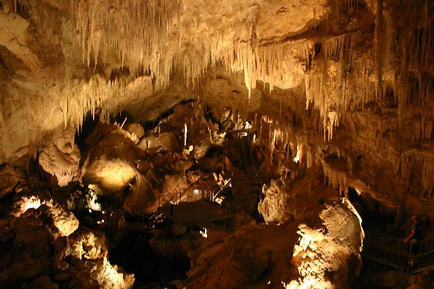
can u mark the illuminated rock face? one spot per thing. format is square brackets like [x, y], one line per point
[329, 257]
[64, 221]
[273, 207]
[110, 162]
[61, 158]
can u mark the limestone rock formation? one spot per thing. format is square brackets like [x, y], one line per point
[110, 163]
[273, 206]
[329, 257]
[61, 158]
[63, 220]
[166, 140]
[136, 129]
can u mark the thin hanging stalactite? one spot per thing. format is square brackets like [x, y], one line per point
[379, 49]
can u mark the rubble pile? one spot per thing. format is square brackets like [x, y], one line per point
[44, 246]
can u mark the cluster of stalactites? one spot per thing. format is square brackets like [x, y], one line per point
[415, 81]
[135, 31]
[96, 96]
[341, 78]
[275, 137]
[265, 62]
[339, 82]
[416, 172]
[141, 33]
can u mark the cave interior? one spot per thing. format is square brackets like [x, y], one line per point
[216, 144]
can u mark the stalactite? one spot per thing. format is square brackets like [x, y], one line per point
[415, 174]
[337, 178]
[83, 97]
[379, 48]
[413, 82]
[127, 26]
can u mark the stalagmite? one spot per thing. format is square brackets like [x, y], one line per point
[185, 134]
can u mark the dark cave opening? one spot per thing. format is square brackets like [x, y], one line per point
[89, 124]
[134, 253]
